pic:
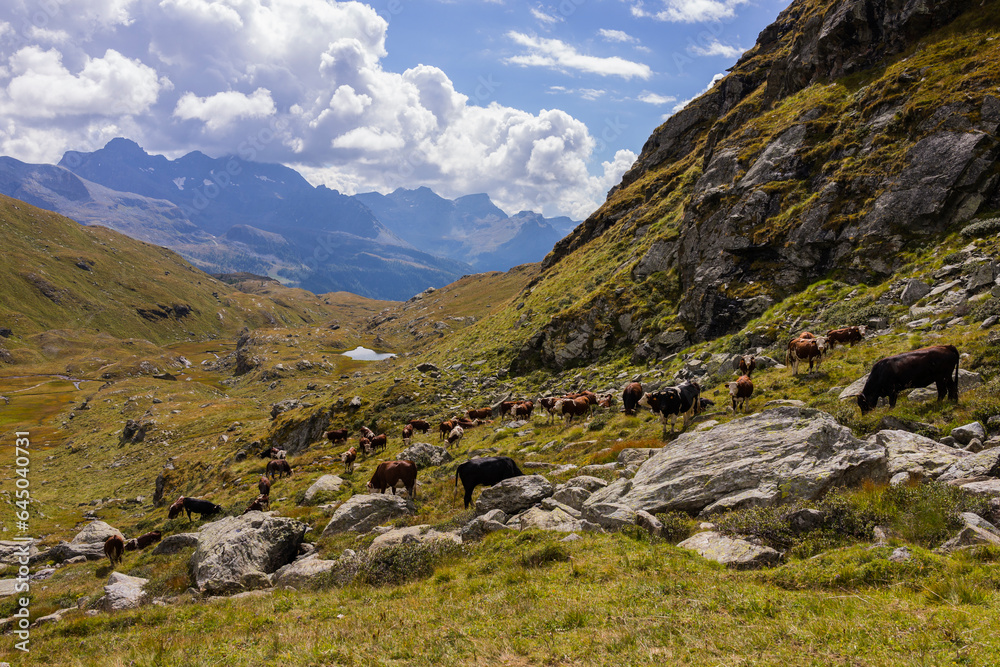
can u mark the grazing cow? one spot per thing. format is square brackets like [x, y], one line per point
[748, 362]
[548, 404]
[390, 473]
[407, 434]
[805, 335]
[379, 443]
[571, 407]
[364, 447]
[257, 505]
[348, 458]
[114, 547]
[420, 425]
[196, 505]
[523, 410]
[682, 400]
[845, 336]
[337, 435]
[487, 471]
[456, 435]
[631, 396]
[507, 406]
[445, 427]
[278, 467]
[466, 424]
[740, 391]
[918, 368]
[478, 413]
[805, 349]
[605, 401]
[706, 403]
[143, 541]
[367, 433]
[264, 486]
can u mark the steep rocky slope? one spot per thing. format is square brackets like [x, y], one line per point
[853, 134]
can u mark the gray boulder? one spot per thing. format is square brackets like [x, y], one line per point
[983, 464]
[480, 526]
[635, 456]
[172, 544]
[914, 291]
[363, 512]
[10, 551]
[238, 553]
[610, 516]
[89, 542]
[284, 406]
[914, 454]
[731, 552]
[322, 489]
[123, 592]
[554, 520]
[425, 455]
[413, 535]
[764, 459]
[989, 488]
[965, 434]
[514, 495]
[976, 531]
[302, 573]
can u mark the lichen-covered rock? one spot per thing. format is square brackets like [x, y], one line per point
[239, 553]
[911, 453]
[731, 552]
[88, 542]
[764, 459]
[321, 489]
[172, 544]
[303, 572]
[412, 534]
[555, 520]
[514, 495]
[983, 464]
[362, 512]
[425, 455]
[965, 434]
[123, 592]
[976, 531]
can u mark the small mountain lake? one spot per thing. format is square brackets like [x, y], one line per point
[364, 354]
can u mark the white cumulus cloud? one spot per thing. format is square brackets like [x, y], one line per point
[221, 109]
[556, 54]
[689, 11]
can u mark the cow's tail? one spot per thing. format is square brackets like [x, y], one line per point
[456, 484]
[958, 358]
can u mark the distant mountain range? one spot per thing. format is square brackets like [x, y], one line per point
[231, 215]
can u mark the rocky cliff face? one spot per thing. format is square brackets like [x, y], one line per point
[853, 130]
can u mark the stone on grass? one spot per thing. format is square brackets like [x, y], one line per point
[322, 489]
[413, 535]
[514, 495]
[911, 453]
[976, 531]
[362, 512]
[965, 434]
[172, 544]
[123, 592]
[425, 455]
[303, 572]
[731, 552]
[984, 464]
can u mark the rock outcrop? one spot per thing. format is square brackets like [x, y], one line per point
[731, 552]
[362, 512]
[425, 455]
[238, 553]
[123, 592]
[514, 495]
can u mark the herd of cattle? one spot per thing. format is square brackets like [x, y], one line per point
[937, 365]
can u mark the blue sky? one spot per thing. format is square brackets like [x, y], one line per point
[541, 105]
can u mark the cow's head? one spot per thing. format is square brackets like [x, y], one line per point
[864, 404]
[176, 508]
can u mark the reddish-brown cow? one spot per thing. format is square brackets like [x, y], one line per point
[390, 473]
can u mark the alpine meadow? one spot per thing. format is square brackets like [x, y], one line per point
[746, 413]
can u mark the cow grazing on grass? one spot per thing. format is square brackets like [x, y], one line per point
[196, 505]
[805, 349]
[631, 396]
[420, 425]
[379, 443]
[348, 458]
[506, 406]
[279, 467]
[748, 362]
[479, 413]
[264, 485]
[407, 434]
[364, 447]
[936, 364]
[390, 473]
[845, 336]
[683, 400]
[486, 471]
[445, 427]
[456, 435]
[548, 404]
[741, 391]
[605, 401]
[258, 504]
[572, 407]
[143, 541]
[337, 435]
[114, 547]
[706, 403]
[367, 433]
[523, 410]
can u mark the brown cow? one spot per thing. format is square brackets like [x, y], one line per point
[523, 409]
[264, 485]
[407, 434]
[114, 547]
[379, 443]
[748, 362]
[507, 406]
[445, 427]
[143, 541]
[365, 447]
[605, 401]
[390, 473]
[631, 396]
[337, 435]
[258, 504]
[479, 413]
[845, 336]
[367, 433]
[808, 349]
[420, 425]
[278, 467]
[548, 404]
[571, 407]
[740, 391]
[348, 458]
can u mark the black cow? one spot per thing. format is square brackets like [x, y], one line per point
[196, 505]
[919, 368]
[487, 471]
[631, 396]
[669, 403]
